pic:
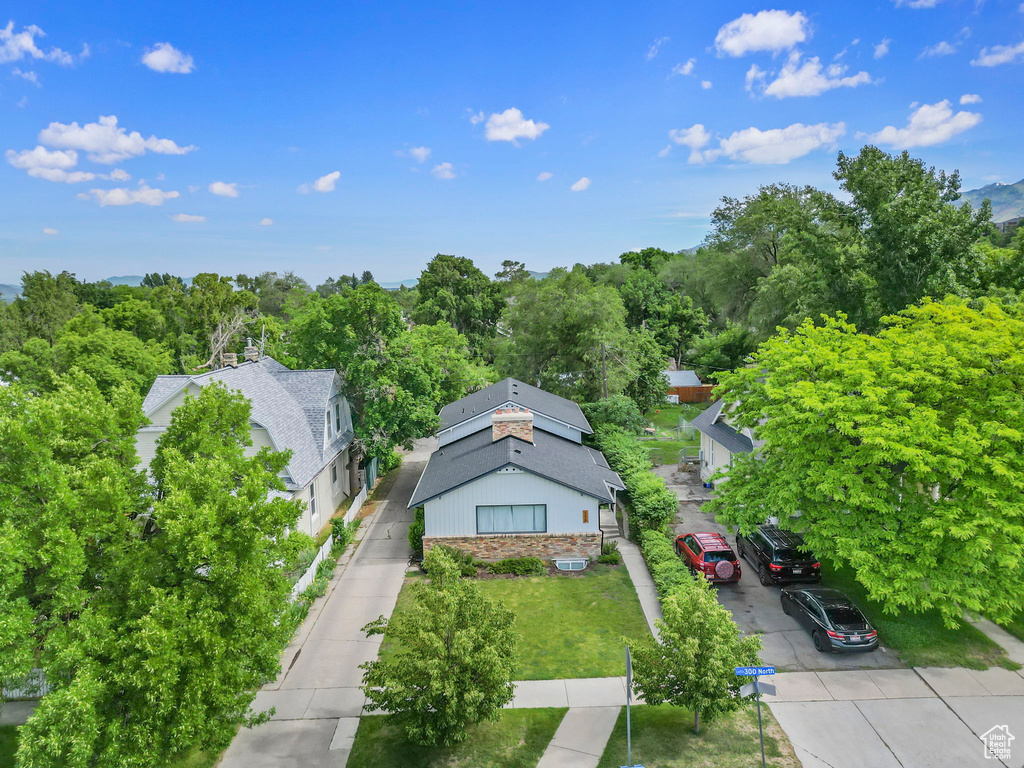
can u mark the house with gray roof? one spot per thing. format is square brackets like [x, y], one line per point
[720, 440]
[511, 481]
[301, 411]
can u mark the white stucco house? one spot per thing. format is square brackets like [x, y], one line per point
[301, 411]
[720, 440]
[511, 478]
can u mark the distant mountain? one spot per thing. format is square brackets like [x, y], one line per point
[1007, 199]
[393, 286]
[134, 280]
[8, 292]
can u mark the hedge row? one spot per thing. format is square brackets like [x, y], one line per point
[667, 569]
[654, 505]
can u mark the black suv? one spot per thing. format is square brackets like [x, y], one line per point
[779, 556]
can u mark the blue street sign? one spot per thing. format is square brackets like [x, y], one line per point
[754, 671]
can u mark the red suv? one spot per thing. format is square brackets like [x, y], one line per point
[710, 555]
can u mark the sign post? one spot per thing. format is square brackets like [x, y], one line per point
[629, 697]
[757, 689]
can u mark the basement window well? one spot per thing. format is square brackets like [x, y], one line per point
[573, 564]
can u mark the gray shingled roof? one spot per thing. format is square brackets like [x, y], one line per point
[292, 405]
[520, 393]
[720, 432]
[682, 378]
[563, 461]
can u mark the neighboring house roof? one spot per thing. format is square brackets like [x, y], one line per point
[291, 405]
[710, 424]
[520, 393]
[562, 461]
[682, 378]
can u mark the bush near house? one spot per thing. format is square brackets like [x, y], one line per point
[519, 566]
[416, 531]
[654, 505]
[610, 554]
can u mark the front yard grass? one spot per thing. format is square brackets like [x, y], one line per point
[666, 451]
[1016, 627]
[191, 759]
[569, 626]
[663, 737]
[516, 740]
[921, 639]
[8, 745]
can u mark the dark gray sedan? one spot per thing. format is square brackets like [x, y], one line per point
[835, 623]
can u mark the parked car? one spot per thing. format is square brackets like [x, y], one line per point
[835, 623]
[710, 555]
[779, 556]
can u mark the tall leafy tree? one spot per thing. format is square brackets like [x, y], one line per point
[917, 239]
[455, 663]
[453, 290]
[650, 259]
[46, 303]
[900, 455]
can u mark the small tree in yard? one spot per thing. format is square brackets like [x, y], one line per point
[455, 659]
[693, 664]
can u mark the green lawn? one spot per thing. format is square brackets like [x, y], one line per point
[1015, 627]
[665, 451]
[663, 738]
[569, 626]
[667, 416]
[193, 759]
[516, 740]
[921, 639]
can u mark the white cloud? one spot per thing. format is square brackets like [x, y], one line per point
[323, 184]
[164, 57]
[510, 125]
[580, 185]
[106, 142]
[31, 76]
[665, 151]
[695, 137]
[806, 79]
[544, 175]
[778, 146]
[941, 48]
[684, 69]
[443, 171]
[266, 222]
[420, 153]
[22, 102]
[41, 157]
[49, 231]
[187, 218]
[882, 49]
[970, 98]
[705, 84]
[929, 124]
[124, 196]
[475, 117]
[999, 54]
[119, 174]
[654, 47]
[764, 31]
[224, 189]
[15, 46]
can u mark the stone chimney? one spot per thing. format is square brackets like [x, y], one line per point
[230, 360]
[252, 352]
[514, 421]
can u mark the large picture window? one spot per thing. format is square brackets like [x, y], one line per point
[518, 518]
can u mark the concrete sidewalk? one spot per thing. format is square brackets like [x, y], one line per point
[317, 694]
[580, 739]
[636, 566]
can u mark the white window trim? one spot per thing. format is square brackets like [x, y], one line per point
[314, 511]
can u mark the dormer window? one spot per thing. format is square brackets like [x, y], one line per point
[337, 416]
[330, 424]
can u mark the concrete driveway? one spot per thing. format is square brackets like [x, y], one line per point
[756, 609]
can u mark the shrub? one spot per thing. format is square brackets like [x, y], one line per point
[610, 554]
[416, 531]
[389, 461]
[667, 569]
[654, 505]
[615, 411]
[464, 562]
[519, 566]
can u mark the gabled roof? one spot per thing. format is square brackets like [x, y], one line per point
[710, 424]
[562, 461]
[520, 393]
[682, 378]
[291, 405]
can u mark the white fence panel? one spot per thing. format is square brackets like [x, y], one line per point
[32, 687]
[307, 578]
[357, 502]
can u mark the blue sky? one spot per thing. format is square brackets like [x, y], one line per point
[314, 124]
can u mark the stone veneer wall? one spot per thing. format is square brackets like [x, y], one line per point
[499, 546]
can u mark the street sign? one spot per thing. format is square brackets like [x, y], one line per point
[754, 671]
[750, 688]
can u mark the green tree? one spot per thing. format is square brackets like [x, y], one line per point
[453, 290]
[616, 411]
[183, 621]
[137, 317]
[455, 661]
[272, 289]
[901, 454]
[720, 350]
[650, 259]
[46, 303]
[692, 662]
[917, 240]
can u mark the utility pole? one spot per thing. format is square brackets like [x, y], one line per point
[604, 370]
